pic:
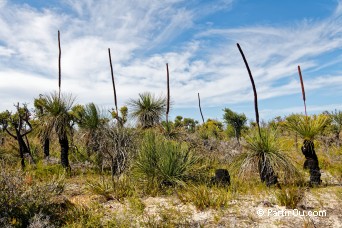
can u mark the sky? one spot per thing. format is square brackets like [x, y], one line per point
[197, 38]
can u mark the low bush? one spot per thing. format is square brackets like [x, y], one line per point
[290, 197]
[163, 162]
[25, 198]
[204, 197]
[112, 188]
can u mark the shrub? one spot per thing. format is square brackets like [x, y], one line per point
[163, 162]
[116, 146]
[24, 198]
[84, 216]
[264, 154]
[290, 197]
[112, 188]
[204, 197]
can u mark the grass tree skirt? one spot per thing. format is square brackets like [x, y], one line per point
[311, 162]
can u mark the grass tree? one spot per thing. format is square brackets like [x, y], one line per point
[42, 127]
[263, 150]
[265, 155]
[308, 127]
[148, 109]
[58, 118]
[89, 120]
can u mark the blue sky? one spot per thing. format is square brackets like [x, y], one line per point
[198, 40]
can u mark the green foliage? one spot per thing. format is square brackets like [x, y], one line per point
[121, 119]
[148, 109]
[123, 187]
[264, 147]
[169, 130]
[58, 115]
[335, 124]
[308, 127]
[102, 187]
[112, 188]
[23, 197]
[39, 104]
[237, 121]
[4, 118]
[188, 124]
[211, 129]
[83, 216]
[290, 196]
[163, 162]
[204, 197]
[46, 172]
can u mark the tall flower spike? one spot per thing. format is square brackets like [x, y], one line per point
[303, 90]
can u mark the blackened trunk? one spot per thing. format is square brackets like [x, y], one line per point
[64, 143]
[311, 162]
[23, 149]
[46, 147]
[267, 173]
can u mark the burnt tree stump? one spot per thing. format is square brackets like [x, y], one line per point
[221, 177]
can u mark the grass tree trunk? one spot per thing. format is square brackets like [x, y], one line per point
[267, 173]
[46, 147]
[64, 143]
[311, 162]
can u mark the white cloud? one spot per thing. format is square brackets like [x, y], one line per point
[134, 29]
[6, 51]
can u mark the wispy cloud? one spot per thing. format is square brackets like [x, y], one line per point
[208, 62]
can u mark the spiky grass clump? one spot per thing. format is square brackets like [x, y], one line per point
[264, 147]
[163, 162]
[204, 197]
[307, 126]
[118, 188]
[290, 197]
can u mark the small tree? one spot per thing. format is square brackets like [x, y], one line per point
[122, 118]
[211, 129]
[18, 125]
[336, 118]
[42, 128]
[188, 124]
[237, 121]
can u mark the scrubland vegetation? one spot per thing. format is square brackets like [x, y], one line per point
[70, 165]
